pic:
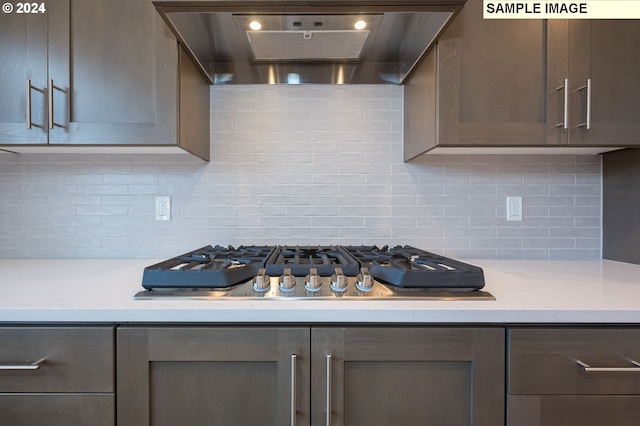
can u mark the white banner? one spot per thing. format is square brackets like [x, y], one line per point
[545, 9]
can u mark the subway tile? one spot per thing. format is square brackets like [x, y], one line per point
[549, 243]
[577, 211]
[572, 254]
[406, 234]
[301, 165]
[523, 254]
[102, 210]
[397, 201]
[105, 189]
[495, 242]
[382, 221]
[575, 190]
[522, 190]
[362, 231]
[315, 212]
[574, 232]
[49, 211]
[285, 222]
[471, 253]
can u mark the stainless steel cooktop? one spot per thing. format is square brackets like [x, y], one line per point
[312, 273]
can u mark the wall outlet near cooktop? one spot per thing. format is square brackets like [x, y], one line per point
[514, 209]
[163, 208]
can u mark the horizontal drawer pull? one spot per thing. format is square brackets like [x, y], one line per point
[31, 367]
[590, 369]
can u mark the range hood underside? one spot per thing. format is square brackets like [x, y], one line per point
[215, 37]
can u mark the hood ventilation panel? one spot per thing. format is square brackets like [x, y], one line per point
[346, 42]
[297, 38]
[306, 45]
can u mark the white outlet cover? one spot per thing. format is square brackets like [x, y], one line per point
[163, 208]
[514, 209]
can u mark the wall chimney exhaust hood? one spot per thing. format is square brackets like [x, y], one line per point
[307, 41]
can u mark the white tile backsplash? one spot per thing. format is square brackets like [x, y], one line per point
[300, 165]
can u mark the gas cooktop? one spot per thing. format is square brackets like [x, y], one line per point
[313, 272]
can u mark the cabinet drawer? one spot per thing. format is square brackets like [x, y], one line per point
[57, 410]
[546, 361]
[573, 410]
[75, 359]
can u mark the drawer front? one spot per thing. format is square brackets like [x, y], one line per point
[57, 410]
[74, 359]
[545, 361]
[577, 410]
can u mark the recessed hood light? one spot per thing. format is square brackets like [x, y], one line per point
[360, 25]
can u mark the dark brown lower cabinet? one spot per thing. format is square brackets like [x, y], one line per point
[573, 377]
[57, 376]
[212, 376]
[358, 376]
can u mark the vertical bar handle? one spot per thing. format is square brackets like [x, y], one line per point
[328, 395]
[294, 410]
[29, 103]
[566, 104]
[50, 103]
[565, 109]
[587, 121]
[588, 118]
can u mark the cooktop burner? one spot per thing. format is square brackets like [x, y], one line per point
[409, 267]
[207, 267]
[300, 259]
[320, 272]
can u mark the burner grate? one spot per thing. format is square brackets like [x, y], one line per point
[403, 268]
[409, 267]
[207, 267]
[301, 259]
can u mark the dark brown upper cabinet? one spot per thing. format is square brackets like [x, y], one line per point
[105, 73]
[599, 62]
[500, 84]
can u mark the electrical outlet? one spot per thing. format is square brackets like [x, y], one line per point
[514, 209]
[163, 208]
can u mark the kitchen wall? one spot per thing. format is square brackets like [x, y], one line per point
[300, 165]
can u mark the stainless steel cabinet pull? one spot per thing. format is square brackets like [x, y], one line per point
[34, 366]
[328, 407]
[590, 369]
[29, 103]
[294, 359]
[587, 120]
[50, 103]
[565, 118]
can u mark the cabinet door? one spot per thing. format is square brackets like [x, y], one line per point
[213, 376]
[113, 68]
[407, 376]
[23, 49]
[603, 53]
[491, 81]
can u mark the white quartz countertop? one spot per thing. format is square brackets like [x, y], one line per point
[98, 291]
